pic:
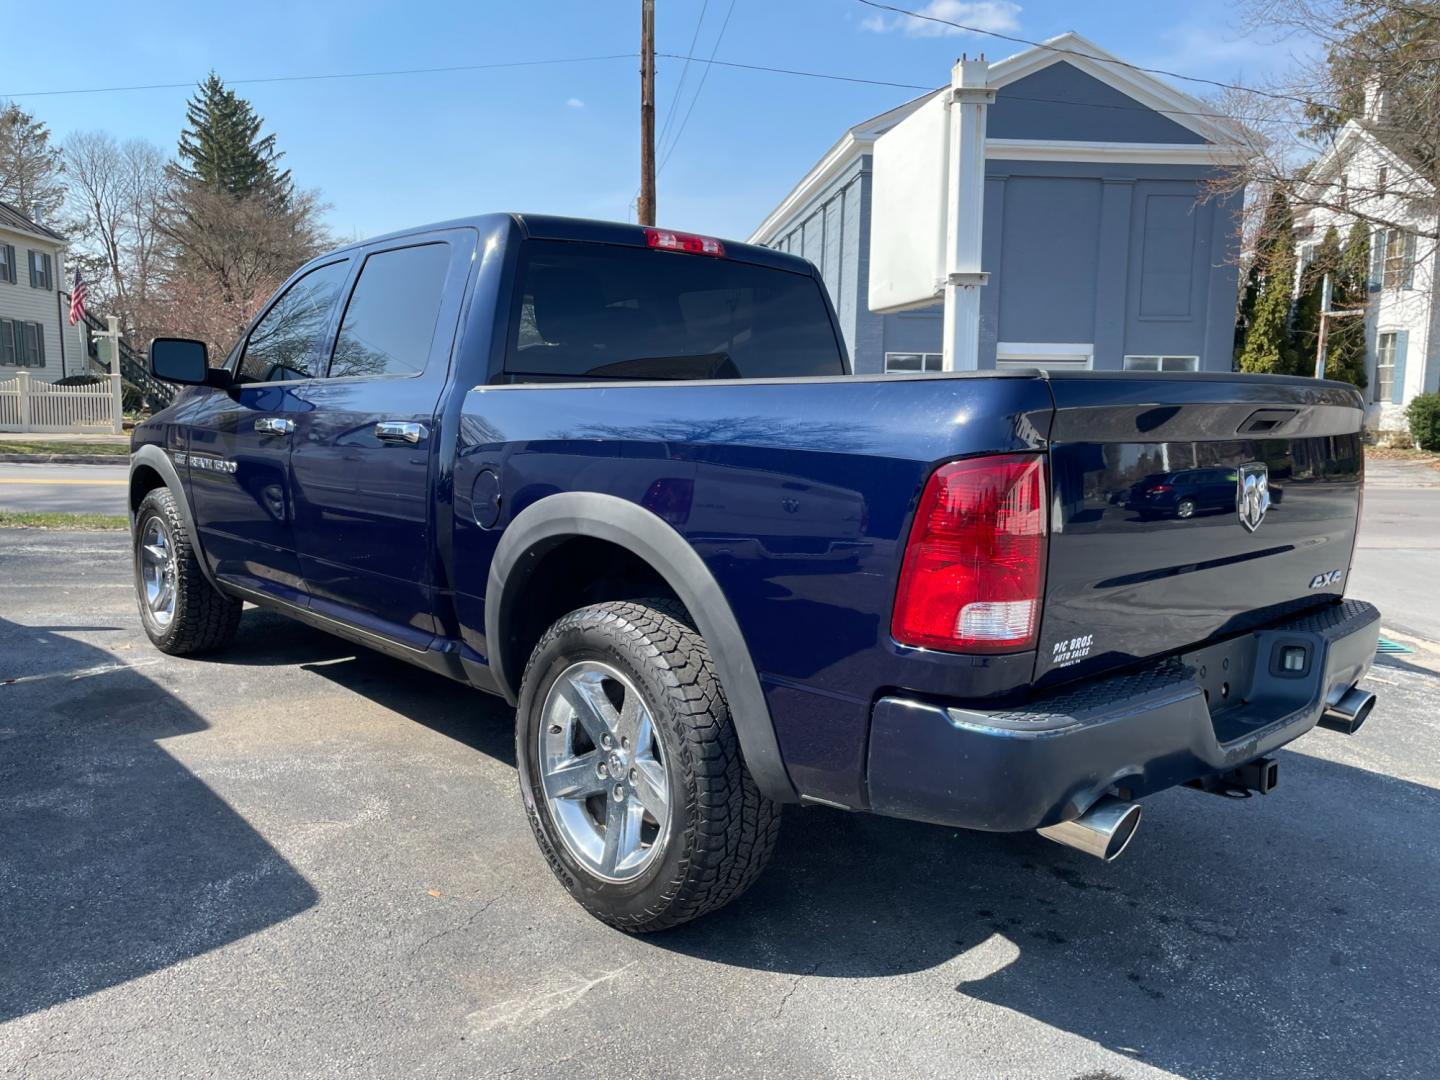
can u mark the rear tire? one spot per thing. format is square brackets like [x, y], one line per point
[698, 843]
[1185, 508]
[182, 613]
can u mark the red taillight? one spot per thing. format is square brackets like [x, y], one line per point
[974, 568]
[668, 240]
[1159, 489]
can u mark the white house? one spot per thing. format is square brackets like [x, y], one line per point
[1369, 169]
[35, 330]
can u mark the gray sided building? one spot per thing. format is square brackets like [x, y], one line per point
[1104, 244]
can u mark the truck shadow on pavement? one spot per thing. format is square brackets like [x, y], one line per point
[1291, 935]
[115, 860]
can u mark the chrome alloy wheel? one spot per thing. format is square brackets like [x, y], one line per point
[158, 571]
[603, 772]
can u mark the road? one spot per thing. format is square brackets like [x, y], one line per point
[1395, 565]
[70, 489]
[296, 859]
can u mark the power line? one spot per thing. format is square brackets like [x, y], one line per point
[708, 61]
[797, 71]
[327, 75]
[1098, 59]
[703, 76]
[1008, 97]
[684, 74]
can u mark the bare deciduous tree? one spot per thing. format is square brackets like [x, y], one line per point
[118, 194]
[1378, 66]
[226, 254]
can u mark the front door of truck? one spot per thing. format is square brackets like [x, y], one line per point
[240, 438]
[365, 441]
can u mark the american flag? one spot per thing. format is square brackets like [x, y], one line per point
[77, 299]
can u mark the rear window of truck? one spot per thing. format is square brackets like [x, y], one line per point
[605, 311]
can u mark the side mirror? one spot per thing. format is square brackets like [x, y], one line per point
[180, 360]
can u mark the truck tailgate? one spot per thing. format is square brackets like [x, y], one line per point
[1160, 533]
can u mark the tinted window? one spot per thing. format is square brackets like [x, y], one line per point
[285, 343]
[390, 320]
[631, 313]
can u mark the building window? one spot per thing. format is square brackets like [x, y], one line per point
[1344, 190]
[1162, 363]
[22, 344]
[1382, 180]
[912, 361]
[1399, 259]
[40, 271]
[1385, 367]
[7, 263]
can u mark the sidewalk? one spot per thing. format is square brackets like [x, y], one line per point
[61, 437]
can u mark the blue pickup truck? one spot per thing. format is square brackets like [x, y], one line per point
[624, 478]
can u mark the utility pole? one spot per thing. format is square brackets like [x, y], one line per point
[645, 208]
[970, 99]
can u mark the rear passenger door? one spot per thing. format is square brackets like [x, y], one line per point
[365, 442]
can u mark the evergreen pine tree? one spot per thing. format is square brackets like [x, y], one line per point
[1267, 346]
[1345, 340]
[1305, 323]
[1275, 226]
[30, 167]
[224, 150]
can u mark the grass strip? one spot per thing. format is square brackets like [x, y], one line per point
[20, 519]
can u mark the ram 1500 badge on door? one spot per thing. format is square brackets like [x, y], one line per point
[623, 478]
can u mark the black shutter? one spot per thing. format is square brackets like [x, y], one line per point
[30, 259]
[7, 342]
[49, 277]
[40, 339]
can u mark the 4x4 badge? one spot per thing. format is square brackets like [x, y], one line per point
[1252, 494]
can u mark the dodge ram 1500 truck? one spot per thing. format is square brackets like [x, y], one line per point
[624, 478]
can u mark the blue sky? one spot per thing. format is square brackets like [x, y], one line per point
[397, 151]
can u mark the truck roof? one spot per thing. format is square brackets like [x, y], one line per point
[589, 230]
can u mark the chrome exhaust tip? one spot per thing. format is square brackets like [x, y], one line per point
[1351, 711]
[1104, 831]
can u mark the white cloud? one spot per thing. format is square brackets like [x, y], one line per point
[574, 103]
[1213, 50]
[997, 15]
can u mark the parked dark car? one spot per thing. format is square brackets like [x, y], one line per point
[624, 478]
[1184, 493]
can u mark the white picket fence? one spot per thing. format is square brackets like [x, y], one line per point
[31, 404]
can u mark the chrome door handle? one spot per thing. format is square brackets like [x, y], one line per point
[274, 425]
[400, 431]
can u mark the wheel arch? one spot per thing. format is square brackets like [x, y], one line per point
[151, 468]
[568, 515]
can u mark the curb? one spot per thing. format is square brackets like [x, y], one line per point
[65, 459]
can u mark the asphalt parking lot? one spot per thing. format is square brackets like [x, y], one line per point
[296, 859]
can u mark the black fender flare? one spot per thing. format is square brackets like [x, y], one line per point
[152, 456]
[643, 533]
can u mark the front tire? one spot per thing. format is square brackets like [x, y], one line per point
[181, 611]
[630, 768]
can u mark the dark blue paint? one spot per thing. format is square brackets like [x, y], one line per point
[796, 494]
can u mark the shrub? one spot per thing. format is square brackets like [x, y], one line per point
[1423, 412]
